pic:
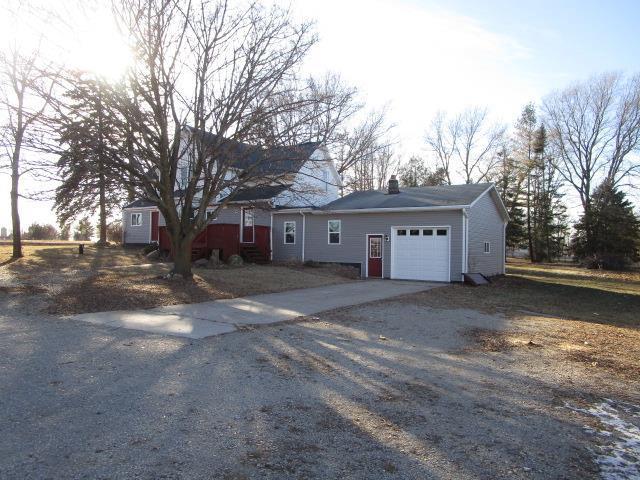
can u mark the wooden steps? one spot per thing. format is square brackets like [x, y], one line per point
[252, 254]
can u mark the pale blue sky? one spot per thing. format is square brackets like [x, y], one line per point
[418, 56]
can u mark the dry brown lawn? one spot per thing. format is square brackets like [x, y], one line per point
[115, 278]
[144, 287]
[64, 255]
[585, 316]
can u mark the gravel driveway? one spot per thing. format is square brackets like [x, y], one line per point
[389, 389]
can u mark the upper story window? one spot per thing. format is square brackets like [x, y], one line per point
[184, 175]
[289, 233]
[334, 228]
[487, 247]
[136, 219]
[325, 179]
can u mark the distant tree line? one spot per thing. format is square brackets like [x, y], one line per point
[584, 139]
[230, 73]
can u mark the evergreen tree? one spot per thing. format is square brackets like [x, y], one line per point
[524, 139]
[509, 185]
[84, 230]
[92, 139]
[608, 235]
[547, 219]
[65, 232]
[415, 173]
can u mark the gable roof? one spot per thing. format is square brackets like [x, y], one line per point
[263, 160]
[140, 203]
[264, 192]
[411, 197]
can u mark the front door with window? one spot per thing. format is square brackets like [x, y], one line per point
[374, 254]
[154, 227]
[248, 231]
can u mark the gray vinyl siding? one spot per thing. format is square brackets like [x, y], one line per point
[486, 225]
[355, 228]
[281, 251]
[137, 234]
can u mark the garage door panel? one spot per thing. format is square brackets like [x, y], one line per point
[424, 256]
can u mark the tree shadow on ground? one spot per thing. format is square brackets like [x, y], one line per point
[324, 399]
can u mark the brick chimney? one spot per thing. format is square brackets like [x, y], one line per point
[393, 186]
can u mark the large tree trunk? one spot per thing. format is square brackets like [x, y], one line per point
[182, 258]
[532, 255]
[103, 211]
[15, 215]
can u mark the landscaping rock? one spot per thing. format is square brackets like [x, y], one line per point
[155, 255]
[235, 260]
[201, 262]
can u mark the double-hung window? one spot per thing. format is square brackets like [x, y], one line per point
[289, 233]
[334, 228]
[136, 219]
[487, 247]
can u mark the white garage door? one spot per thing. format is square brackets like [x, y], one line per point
[420, 253]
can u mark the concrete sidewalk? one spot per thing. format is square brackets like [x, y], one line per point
[200, 320]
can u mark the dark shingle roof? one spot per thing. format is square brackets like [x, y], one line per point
[261, 161]
[440, 196]
[142, 202]
[265, 192]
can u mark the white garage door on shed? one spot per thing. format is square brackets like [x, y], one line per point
[420, 253]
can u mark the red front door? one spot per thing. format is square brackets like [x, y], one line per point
[247, 225]
[374, 254]
[154, 226]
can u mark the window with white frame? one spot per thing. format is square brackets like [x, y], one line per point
[334, 228]
[289, 233]
[136, 219]
[487, 247]
[325, 179]
[211, 215]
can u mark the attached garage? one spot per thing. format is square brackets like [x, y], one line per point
[432, 234]
[421, 253]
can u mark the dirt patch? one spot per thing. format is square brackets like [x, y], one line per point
[496, 341]
[609, 348]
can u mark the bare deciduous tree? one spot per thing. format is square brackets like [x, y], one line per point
[465, 145]
[25, 94]
[442, 139]
[595, 126]
[229, 74]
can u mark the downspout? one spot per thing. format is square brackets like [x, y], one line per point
[504, 249]
[304, 231]
[271, 237]
[465, 241]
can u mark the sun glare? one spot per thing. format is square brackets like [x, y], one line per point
[101, 49]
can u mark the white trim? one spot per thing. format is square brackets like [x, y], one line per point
[407, 227]
[284, 232]
[131, 219]
[485, 250]
[465, 244]
[151, 225]
[253, 226]
[481, 195]
[140, 208]
[339, 232]
[504, 249]
[271, 237]
[371, 210]
[366, 253]
[304, 232]
[501, 206]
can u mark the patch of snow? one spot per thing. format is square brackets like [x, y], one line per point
[619, 456]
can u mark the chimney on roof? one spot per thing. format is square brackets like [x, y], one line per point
[393, 186]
